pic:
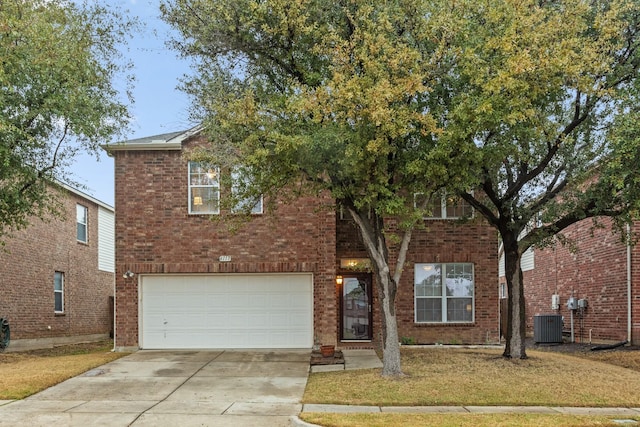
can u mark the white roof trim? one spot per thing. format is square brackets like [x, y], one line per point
[143, 146]
[149, 144]
[85, 196]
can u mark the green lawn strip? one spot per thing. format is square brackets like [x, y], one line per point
[458, 420]
[25, 373]
[481, 377]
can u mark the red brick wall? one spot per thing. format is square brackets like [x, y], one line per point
[155, 234]
[27, 266]
[597, 271]
[441, 242]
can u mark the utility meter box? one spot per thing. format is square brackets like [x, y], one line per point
[582, 303]
[572, 303]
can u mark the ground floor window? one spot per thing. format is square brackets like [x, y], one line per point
[58, 292]
[444, 293]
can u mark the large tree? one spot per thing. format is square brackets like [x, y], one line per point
[60, 70]
[309, 95]
[545, 100]
[376, 101]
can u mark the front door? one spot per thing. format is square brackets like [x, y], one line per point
[356, 320]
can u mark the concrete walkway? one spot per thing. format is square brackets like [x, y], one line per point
[353, 359]
[177, 388]
[214, 388]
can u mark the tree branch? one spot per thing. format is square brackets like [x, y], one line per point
[552, 150]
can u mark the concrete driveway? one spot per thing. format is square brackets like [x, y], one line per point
[174, 388]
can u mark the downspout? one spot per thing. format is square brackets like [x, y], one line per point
[500, 253]
[629, 322]
[113, 325]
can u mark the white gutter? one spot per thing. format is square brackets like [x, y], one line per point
[85, 196]
[146, 146]
[629, 323]
[173, 143]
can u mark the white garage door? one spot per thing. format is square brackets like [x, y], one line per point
[226, 311]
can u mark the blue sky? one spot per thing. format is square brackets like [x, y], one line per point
[158, 106]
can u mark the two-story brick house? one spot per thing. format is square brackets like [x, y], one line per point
[600, 272]
[288, 278]
[57, 275]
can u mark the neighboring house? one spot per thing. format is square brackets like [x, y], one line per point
[600, 272]
[286, 279]
[57, 275]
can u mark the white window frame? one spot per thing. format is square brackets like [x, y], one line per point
[445, 205]
[211, 181]
[503, 290]
[58, 277]
[345, 216]
[257, 209]
[81, 208]
[420, 276]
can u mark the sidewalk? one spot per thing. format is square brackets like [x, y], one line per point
[345, 409]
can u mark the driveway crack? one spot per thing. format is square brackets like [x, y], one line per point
[176, 388]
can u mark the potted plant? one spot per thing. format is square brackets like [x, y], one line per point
[328, 350]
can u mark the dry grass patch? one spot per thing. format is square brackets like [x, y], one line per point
[25, 373]
[457, 420]
[482, 377]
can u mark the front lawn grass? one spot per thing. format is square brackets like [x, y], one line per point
[469, 377]
[25, 373]
[458, 420]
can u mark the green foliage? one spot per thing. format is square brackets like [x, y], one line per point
[545, 102]
[527, 109]
[59, 71]
[375, 101]
[325, 95]
[543, 98]
[408, 341]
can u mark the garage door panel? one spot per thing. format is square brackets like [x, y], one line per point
[226, 311]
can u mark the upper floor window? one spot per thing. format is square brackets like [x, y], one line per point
[239, 182]
[444, 206]
[444, 293]
[81, 223]
[58, 292]
[204, 188]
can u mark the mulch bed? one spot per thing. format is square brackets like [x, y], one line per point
[577, 347]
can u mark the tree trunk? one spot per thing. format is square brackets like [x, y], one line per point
[372, 233]
[390, 341]
[516, 316]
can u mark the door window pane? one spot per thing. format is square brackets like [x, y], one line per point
[355, 309]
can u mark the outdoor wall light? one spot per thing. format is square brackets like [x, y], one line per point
[128, 274]
[338, 280]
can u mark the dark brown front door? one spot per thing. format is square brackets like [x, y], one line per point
[355, 319]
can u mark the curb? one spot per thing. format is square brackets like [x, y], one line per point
[565, 410]
[297, 422]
